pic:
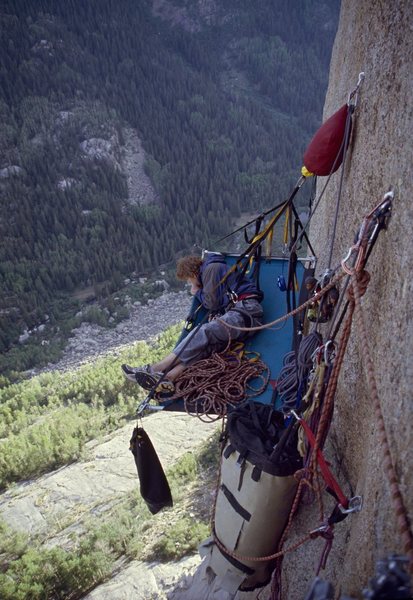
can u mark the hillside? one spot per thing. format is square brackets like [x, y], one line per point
[94, 504]
[132, 130]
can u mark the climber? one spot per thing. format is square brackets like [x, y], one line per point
[231, 296]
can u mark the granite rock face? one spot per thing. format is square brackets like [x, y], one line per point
[374, 38]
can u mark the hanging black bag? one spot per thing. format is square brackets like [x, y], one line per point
[154, 487]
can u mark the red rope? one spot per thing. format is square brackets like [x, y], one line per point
[317, 443]
[325, 470]
[396, 496]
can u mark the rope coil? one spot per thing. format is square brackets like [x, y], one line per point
[213, 384]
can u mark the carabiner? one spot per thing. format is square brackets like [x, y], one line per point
[355, 92]
[348, 270]
[385, 206]
[355, 504]
[143, 406]
[326, 356]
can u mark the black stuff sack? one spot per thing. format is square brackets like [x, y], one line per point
[154, 487]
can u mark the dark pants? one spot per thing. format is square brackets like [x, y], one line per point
[214, 336]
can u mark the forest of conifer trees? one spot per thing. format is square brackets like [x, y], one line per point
[223, 111]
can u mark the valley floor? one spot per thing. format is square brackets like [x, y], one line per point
[57, 504]
[144, 323]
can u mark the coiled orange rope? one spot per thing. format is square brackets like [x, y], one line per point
[213, 384]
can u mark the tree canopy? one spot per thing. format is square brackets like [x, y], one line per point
[224, 108]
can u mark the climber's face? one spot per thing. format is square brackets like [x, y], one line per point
[194, 283]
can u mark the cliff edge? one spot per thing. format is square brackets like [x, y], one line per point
[377, 39]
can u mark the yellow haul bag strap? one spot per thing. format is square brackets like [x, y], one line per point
[258, 239]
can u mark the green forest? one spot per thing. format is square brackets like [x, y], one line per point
[45, 424]
[46, 421]
[224, 108]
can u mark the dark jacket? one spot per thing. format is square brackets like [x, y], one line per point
[214, 293]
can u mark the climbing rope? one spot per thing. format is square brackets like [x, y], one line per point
[296, 311]
[295, 370]
[396, 496]
[312, 469]
[315, 470]
[223, 380]
[328, 400]
[359, 281]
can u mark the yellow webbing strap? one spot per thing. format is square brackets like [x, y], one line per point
[315, 388]
[237, 349]
[272, 222]
[261, 236]
[252, 355]
[285, 236]
[240, 352]
[268, 244]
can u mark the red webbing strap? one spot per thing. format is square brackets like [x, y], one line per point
[324, 468]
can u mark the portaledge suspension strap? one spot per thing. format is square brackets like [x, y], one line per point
[345, 505]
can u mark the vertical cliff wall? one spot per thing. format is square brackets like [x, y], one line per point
[376, 38]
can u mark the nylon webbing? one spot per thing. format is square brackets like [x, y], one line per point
[324, 468]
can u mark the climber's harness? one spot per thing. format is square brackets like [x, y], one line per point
[235, 298]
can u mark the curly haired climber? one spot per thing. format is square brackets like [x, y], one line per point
[236, 299]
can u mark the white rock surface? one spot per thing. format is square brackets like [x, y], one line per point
[140, 188]
[10, 171]
[146, 581]
[106, 474]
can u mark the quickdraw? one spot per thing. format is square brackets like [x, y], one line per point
[372, 223]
